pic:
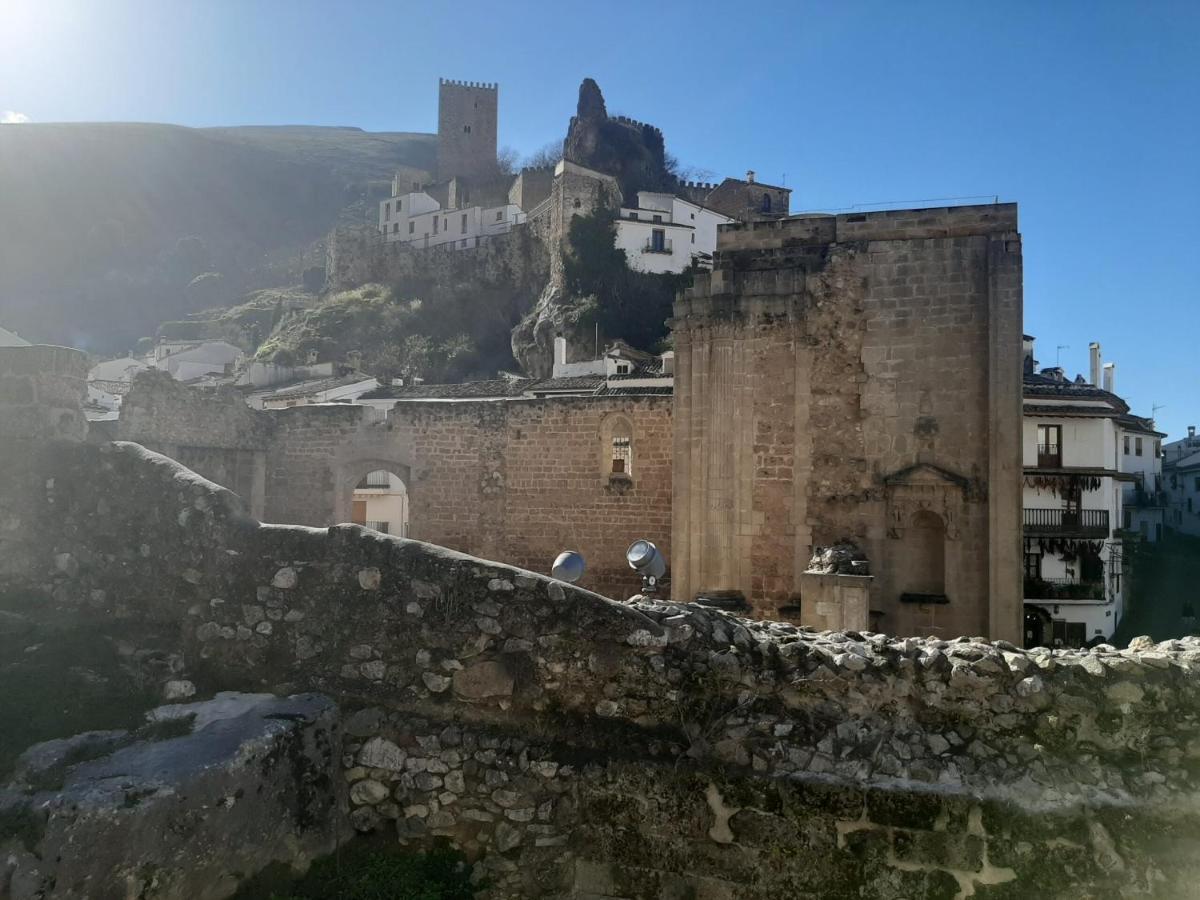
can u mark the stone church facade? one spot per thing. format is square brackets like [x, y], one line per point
[855, 378]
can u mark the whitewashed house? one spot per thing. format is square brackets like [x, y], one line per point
[188, 360]
[665, 233]
[1073, 498]
[11, 339]
[380, 502]
[1181, 483]
[417, 220]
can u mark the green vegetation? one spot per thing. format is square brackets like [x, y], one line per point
[625, 304]
[456, 338]
[369, 869]
[58, 682]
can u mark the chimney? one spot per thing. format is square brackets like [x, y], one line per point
[1110, 377]
[1094, 350]
[750, 176]
[668, 363]
[560, 353]
[1191, 432]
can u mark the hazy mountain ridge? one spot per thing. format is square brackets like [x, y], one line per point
[104, 226]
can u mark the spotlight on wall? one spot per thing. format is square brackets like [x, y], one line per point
[568, 566]
[643, 557]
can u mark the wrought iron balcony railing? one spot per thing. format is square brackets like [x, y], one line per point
[1089, 523]
[1049, 456]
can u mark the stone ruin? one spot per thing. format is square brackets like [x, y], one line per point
[570, 745]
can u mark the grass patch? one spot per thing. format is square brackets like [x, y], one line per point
[369, 869]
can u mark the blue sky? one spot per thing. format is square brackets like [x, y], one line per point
[1087, 114]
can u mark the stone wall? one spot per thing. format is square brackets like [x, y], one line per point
[577, 747]
[39, 390]
[517, 261]
[856, 378]
[519, 481]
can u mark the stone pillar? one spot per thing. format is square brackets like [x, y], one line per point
[1006, 310]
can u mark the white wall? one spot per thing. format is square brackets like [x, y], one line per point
[388, 505]
[634, 236]
[421, 223]
[1086, 442]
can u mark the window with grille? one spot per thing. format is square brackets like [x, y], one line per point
[381, 527]
[622, 456]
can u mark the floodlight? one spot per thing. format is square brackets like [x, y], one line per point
[643, 557]
[568, 566]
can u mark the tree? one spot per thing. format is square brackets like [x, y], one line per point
[549, 155]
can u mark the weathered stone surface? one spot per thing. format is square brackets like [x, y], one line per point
[483, 680]
[184, 817]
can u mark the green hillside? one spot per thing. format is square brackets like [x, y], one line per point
[104, 228]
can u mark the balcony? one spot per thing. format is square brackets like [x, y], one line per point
[657, 247]
[1144, 499]
[1077, 523]
[1054, 589]
[1049, 456]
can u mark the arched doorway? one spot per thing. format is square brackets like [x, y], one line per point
[379, 501]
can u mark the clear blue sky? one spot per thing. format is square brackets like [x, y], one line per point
[1087, 114]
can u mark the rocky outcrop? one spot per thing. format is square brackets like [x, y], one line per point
[632, 151]
[113, 815]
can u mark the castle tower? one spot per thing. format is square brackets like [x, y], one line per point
[466, 129]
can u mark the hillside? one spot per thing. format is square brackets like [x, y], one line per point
[104, 227]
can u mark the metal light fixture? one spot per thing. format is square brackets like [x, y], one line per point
[643, 557]
[568, 566]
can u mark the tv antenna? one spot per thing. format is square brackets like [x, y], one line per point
[1058, 354]
[1154, 408]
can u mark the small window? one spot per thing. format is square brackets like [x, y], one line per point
[765, 206]
[395, 228]
[1197, 485]
[693, 237]
[1126, 445]
[1137, 446]
[693, 217]
[658, 240]
[387, 212]
[633, 216]
[578, 203]
[435, 224]
[412, 226]
[397, 206]
[622, 456]
[622, 368]
[463, 227]
[463, 242]
[658, 218]
[466, 129]
[445, 223]
[500, 215]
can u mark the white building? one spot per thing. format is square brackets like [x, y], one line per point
[344, 389]
[1181, 483]
[1144, 498]
[380, 502]
[11, 339]
[187, 360]
[665, 233]
[417, 220]
[1073, 491]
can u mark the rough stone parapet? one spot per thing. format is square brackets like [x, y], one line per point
[576, 744]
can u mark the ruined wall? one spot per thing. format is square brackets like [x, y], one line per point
[856, 377]
[39, 390]
[518, 481]
[576, 747]
[516, 261]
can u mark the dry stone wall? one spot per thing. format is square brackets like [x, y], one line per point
[578, 747]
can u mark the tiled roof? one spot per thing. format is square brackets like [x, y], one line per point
[663, 391]
[307, 388]
[574, 383]
[1042, 386]
[470, 390]
[1138, 423]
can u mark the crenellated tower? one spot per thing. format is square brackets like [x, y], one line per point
[467, 117]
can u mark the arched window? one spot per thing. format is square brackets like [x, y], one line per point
[766, 203]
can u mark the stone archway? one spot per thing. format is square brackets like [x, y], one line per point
[350, 474]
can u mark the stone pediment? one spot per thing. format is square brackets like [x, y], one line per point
[925, 475]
